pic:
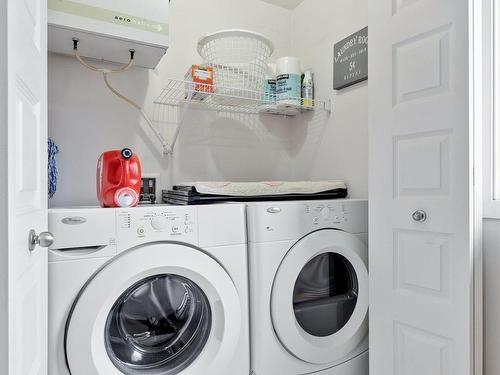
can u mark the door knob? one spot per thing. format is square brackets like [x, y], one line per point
[419, 216]
[44, 239]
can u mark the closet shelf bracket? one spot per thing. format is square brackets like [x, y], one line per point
[168, 148]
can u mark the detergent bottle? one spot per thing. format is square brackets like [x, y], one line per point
[118, 178]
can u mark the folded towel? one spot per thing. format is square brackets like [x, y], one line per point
[248, 189]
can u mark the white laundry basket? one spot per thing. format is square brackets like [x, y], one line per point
[239, 59]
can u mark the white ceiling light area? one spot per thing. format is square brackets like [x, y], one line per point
[289, 4]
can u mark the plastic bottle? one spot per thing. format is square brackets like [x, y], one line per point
[118, 178]
[269, 87]
[308, 89]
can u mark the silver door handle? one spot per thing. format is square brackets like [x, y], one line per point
[44, 239]
[419, 216]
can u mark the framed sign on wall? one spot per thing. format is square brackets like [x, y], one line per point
[350, 60]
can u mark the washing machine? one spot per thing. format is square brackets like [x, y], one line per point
[308, 287]
[157, 290]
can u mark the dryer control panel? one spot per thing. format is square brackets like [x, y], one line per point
[323, 214]
[276, 221]
[159, 223]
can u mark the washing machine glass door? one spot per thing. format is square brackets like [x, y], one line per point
[319, 301]
[156, 309]
[166, 318]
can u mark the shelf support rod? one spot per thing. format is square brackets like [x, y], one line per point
[169, 148]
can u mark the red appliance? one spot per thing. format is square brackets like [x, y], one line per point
[118, 178]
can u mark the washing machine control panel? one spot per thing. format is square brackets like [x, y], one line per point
[158, 223]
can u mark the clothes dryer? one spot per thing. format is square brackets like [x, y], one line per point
[308, 265]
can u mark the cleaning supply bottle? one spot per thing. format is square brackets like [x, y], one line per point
[269, 86]
[308, 89]
[118, 178]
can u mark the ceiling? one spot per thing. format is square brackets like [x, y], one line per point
[289, 4]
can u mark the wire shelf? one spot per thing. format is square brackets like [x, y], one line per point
[227, 99]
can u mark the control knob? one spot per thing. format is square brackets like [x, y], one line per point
[325, 212]
[159, 222]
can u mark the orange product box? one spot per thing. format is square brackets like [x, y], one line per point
[200, 79]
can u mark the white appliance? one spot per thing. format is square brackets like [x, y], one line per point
[308, 287]
[108, 29]
[148, 290]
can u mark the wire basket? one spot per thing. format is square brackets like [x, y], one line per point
[239, 59]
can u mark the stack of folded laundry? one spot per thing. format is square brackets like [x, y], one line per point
[217, 192]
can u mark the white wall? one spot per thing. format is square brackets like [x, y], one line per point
[85, 119]
[491, 250]
[4, 260]
[342, 151]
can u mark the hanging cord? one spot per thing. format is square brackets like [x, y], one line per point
[124, 68]
[102, 70]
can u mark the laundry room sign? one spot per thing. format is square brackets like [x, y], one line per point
[350, 60]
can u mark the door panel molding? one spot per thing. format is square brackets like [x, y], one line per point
[421, 160]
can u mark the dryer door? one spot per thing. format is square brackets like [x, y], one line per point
[319, 300]
[156, 309]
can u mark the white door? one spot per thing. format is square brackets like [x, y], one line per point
[421, 279]
[26, 179]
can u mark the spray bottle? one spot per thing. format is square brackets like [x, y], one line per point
[308, 89]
